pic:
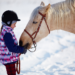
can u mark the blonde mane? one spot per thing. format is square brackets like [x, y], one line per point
[64, 7]
[64, 11]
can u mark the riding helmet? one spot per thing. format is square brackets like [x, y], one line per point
[9, 16]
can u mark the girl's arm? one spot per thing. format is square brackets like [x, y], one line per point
[11, 46]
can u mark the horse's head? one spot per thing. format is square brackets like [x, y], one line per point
[32, 31]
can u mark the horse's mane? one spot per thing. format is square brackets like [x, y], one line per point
[63, 12]
[63, 7]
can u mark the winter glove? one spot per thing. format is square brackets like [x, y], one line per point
[25, 48]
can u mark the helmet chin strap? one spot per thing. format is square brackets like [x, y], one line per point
[8, 23]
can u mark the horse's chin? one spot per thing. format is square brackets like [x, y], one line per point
[27, 46]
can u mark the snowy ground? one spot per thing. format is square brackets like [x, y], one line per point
[56, 56]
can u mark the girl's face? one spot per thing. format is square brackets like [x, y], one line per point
[13, 25]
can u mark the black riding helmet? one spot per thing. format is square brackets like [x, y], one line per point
[9, 16]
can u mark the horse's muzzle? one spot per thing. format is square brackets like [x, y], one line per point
[25, 46]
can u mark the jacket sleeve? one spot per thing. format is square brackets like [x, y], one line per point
[10, 44]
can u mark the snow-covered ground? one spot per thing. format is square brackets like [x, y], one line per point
[55, 54]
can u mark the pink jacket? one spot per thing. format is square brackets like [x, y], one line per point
[5, 55]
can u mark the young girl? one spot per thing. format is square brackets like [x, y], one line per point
[9, 49]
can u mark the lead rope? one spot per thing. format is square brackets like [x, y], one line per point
[34, 43]
[18, 62]
[18, 66]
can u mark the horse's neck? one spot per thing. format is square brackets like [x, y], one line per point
[62, 17]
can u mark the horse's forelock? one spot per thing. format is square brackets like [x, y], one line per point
[35, 11]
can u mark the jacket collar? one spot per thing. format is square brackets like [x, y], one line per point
[7, 27]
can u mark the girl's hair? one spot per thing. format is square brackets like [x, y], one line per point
[1, 29]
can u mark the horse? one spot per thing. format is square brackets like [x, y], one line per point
[46, 18]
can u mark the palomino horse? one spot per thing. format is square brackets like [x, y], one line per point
[48, 18]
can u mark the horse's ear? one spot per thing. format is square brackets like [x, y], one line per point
[47, 8]
[42, 4]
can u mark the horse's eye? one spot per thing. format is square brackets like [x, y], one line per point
[34, 22]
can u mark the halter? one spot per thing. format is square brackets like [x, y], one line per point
[31, 36]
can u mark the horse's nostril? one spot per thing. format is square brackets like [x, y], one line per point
[20, 43]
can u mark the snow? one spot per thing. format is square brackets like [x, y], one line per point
[55, 54]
